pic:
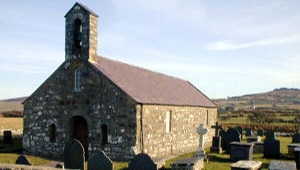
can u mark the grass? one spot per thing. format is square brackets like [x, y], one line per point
[216, 161]
[14, 124]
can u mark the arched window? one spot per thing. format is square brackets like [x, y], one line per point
[103, 135]
[77, 82]
[78, 33]
[52, 134]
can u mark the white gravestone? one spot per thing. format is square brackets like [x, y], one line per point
[201, 130]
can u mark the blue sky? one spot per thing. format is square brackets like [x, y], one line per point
[225, 48]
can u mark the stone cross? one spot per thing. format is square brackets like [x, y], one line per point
[217, 127]
[201, 130]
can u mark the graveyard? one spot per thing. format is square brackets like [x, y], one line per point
[214, 159]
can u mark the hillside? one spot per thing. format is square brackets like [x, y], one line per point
[282, 98]
[10, 105]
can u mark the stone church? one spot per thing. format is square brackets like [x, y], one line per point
[110, 105]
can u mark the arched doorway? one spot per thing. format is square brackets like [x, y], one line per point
[78, 129]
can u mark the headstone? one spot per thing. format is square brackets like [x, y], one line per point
[260, 132]
[74, 155]
[248, 132]
[216, 142]
[254, 139]
[240, 130]
[296, 138]
[142, 161]
[246, 165]
[7, 137]
[22, 160]
[241, 151]
[297, 157]
[282, 165]
[270, 135]
[272, 149]
[186, 164]
[291, 148]
[201, 130]
[258, 147]
[99, 160]
[59, 166]
[217, 128]
[231, 135]
[216, 145]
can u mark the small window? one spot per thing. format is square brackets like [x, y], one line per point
[77, 80]
[207, 119]
[52, 134]
[168, 121]
[103, 135]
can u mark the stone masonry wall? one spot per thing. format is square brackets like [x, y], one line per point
[182, 137]
[99, 102]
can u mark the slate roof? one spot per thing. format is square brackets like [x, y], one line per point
[148, 87]
[84, 7]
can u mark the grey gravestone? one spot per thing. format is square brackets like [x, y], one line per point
[99, 160]
[282, 165]
[241, 151]
[74, 155]
[240, 130]
[248, 132]
[231, 135]
[246, 165]
[216, 145]
[186, 164]
[7, 137]
[296, 138]
[260, 132]
[22, 160]
[142, 161]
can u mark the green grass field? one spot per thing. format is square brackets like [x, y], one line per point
[216, 161]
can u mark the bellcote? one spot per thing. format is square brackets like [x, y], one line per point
[81, 34]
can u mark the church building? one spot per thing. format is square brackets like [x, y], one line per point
[110, 105]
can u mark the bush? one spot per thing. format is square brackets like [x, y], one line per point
[13, 113]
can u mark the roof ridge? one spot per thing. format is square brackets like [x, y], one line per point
[84, 7]
[142, 68]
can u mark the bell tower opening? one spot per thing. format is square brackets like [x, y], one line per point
[77, 38]
[81, 37]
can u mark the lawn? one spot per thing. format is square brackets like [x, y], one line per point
[216, 161]
[15, 124]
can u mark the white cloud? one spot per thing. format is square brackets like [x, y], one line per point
[227, 45]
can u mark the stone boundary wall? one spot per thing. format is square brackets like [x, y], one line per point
[24, 167]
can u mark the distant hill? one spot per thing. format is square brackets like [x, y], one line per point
[14, 104]
[282, 98]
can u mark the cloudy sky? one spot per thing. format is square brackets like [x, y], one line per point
[225, 48]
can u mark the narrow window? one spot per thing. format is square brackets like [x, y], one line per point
[77, 80]
[78, 33]
[207, 120]
[52, 134]
[168, 121]
[103, 135]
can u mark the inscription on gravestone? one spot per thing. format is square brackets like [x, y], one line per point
[74, 155]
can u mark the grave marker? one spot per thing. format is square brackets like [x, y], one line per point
[216, 143]
[271, 146]
[99, 160]
[22, 160]
[7, 137]
[201, 130]
[241, 151]
[260, 132]
[240, 130]
[74, 155]
[142, 161]
[231, 135]
[248, 132]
